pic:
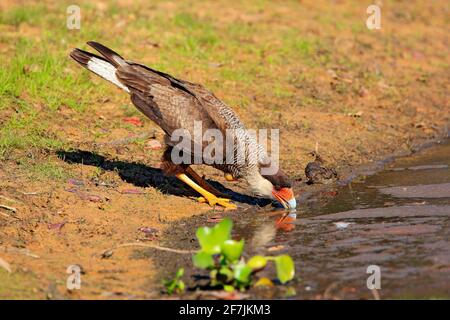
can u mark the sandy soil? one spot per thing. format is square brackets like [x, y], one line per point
[107, 189]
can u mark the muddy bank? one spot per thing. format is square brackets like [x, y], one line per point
[80, 165]
[347, 174]
[74, 222]
[337, 234]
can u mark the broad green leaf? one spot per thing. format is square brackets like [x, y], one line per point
[257, 262]
[203, 260]
[232, 249]
[242, 272]
[285, 268]
[211, 239]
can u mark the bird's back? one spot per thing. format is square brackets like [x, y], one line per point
[173, 104]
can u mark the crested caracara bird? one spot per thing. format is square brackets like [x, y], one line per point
[177, 104]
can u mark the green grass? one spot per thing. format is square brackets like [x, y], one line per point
[41, 74]
[258, 52]
[30, 14]
[34, 84]
[18, 285]
[38, 78]
[22, 131]
[48, 170]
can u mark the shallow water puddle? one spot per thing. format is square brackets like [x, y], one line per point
[397, 219]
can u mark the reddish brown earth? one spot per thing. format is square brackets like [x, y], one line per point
[382, 92]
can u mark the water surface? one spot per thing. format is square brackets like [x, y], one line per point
[397, 219]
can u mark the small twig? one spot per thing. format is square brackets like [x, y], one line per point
[25, 252]
[8, 208]
[30, 193]
[146, 245]
[14, 210]
[8, 199]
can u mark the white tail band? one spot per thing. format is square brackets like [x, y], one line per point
[106, 71]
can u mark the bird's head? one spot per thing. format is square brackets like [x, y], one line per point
[315, 156]
[276, 187]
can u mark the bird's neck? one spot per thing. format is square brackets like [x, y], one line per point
[258, 184]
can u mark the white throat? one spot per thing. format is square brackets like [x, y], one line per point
[259, 185]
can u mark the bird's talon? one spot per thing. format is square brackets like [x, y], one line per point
[229, 177]
[224, 202]
[201, 199]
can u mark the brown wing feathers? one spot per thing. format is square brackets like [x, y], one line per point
[113, 57]
[160, 96]
[83, 57]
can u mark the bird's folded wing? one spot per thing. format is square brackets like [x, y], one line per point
[223, 116]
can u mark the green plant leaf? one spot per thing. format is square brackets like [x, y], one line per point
[227, 274]
[242, 273]
[264, 282]
[179, 273]
[228, 288]
[213, 277]
[175, 285]
[285, 268]
[232, 249]
[180, 286]
[257, 262]
[203, 260]
[211, 239]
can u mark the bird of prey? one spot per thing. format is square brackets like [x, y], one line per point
[177, 104]
[316, 172]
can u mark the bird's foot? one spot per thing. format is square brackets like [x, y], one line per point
[229, 177]
[213, 201]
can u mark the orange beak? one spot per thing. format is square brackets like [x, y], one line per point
[286, 197]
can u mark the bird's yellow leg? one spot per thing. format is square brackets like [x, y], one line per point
[202, 183]
[208, 196]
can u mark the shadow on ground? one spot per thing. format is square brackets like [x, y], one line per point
[141, 175]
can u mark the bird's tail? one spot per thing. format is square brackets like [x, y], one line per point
[104, 67]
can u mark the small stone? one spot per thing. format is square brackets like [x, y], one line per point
[107, 254]
[153, 145]
[342, 225]
[56, 226]
[94, 198]
[363, 92]
[275, 248]
[148, 231]
[75, 182]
